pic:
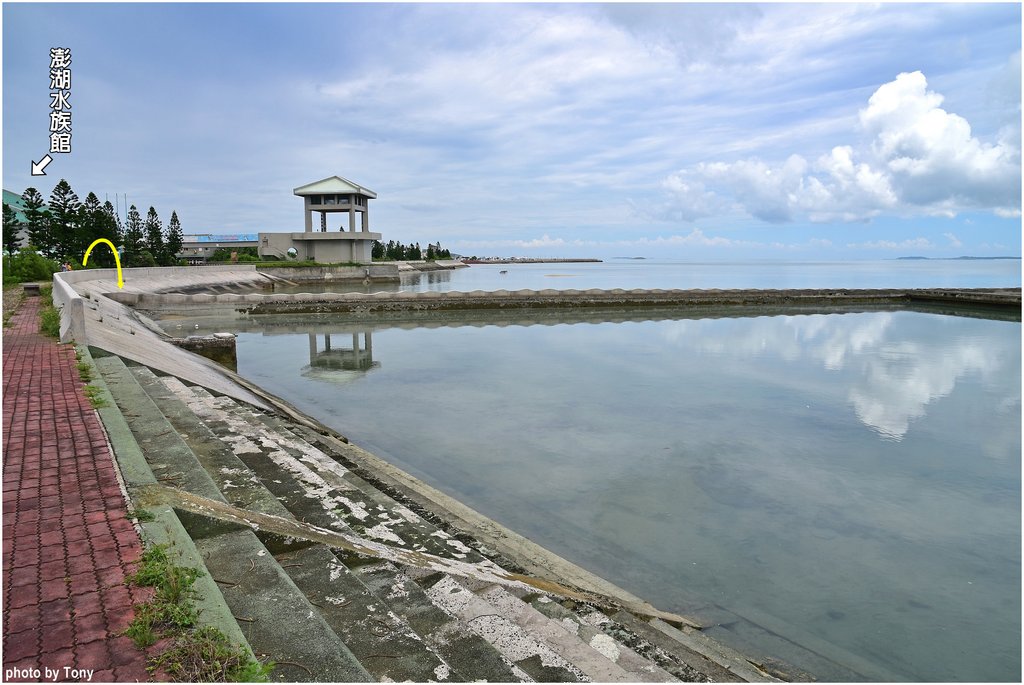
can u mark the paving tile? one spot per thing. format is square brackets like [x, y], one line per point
[53, 590]
[93, 655]
[84, 582]
[22, 645]
[60, 658]
[56, 637]
[132, 673]
[86, 603]
[90, 628]
[22, 618]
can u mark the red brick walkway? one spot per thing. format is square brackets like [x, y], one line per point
[67, 544]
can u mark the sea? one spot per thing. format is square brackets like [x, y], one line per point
[835, 492]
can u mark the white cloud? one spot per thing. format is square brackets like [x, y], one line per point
[921, 243]
[953, 240]
[921, 159]
[931, 155]
[543, 241]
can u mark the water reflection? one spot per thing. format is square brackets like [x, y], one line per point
[893, 374]
[337, 361]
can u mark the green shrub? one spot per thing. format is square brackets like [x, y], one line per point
[49, 321]
[29, 265]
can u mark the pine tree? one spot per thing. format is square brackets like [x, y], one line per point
[12, 227]
[154, 236]
[90, 226]
[96, 222]
[64, 218]
[133, 236]
[113, 222]
[174, 239]
[38, 219]
[377, 252]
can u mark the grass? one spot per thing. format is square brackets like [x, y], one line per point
[142, 515]
[95, 396]
[14, 295]
[49, 316]
[195, 654]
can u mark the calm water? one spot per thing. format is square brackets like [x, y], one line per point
[842, 491]
[627, 273]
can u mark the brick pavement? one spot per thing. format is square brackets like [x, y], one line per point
[67, 543]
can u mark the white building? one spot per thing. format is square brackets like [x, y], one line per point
[330, 196]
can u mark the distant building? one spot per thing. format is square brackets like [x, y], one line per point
[197, 248]
[18, 205]
[330, 196]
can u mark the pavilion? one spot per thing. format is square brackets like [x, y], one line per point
[329, 196]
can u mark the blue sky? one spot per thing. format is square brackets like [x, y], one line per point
[710, 131]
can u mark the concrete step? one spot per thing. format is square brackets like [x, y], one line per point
[386, 646]
[443, 635]
[383, 642]
[170, 459]
[235, 481]
[335, 494]
[597, 659]
[600, 632]
[277, 619]
[470, 656]
[430, 538]
[526, 651]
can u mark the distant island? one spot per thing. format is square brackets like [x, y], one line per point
[939, 259]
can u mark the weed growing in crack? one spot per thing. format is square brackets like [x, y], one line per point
[196, 654]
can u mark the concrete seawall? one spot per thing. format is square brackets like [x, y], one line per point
[256, 303]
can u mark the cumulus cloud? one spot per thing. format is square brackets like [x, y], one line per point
[920, 159]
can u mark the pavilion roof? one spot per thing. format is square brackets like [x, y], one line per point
[334, 184]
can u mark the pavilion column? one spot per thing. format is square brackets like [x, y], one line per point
[366, 220]
[309, 220]
[351, 219]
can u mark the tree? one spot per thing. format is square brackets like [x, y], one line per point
[223, 254]
[133, 236]
[38, 220]
[431, 254]
[64, 220]
[96, 222]
[113, 223]
[154, 236]
[377, 251]
[174, 239]
[12, 240]
[413, 252]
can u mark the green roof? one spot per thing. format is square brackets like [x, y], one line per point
[15, 201]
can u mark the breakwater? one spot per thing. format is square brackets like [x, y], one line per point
[1004, 299]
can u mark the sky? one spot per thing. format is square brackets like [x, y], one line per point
[686, 131]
